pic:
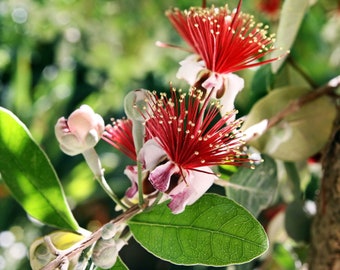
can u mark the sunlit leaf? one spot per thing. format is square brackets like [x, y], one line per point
[213, 231]
[254, 189]
[29, 175]
[301, 134]
[290, 20]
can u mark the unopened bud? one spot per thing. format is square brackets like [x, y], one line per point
[135, 102]
[105, 252]
[45, 249]
[80, 132]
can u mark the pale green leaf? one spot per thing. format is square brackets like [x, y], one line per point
[29, 175]
[301, 134]
[254, 189]
[213, 231]
[291, 17]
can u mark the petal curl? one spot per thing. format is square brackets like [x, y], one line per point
[160, 177]
[188, 192]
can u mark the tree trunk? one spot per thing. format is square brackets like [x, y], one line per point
[325, 245]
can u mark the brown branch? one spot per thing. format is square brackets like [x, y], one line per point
[68, 254]
[261, 127]
[325, 231]
[296, 105]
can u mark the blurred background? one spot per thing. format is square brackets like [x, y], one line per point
[56, 55]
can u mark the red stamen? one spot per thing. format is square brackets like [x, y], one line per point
[189, 131]
[119, 135]
[226, 41]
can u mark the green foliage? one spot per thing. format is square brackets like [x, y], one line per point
[214, 231]
[29, 175]
[298, 221]
[301, 134]
[66, 53]
[291, 17]
[254, 189]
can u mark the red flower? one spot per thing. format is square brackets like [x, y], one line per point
[270, 7]
[226, 41]
[188, 129]
[185, 136]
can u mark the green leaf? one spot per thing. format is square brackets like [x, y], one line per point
[254, 189]
[213, 231]
[29, 175]
[290, 20]
[298, 220]
[300, 134]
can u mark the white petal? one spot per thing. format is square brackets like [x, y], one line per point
[233, 85]
[190, 68]
[214, 81]
[255, 130]
[151, 154]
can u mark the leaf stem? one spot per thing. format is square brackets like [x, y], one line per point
[140, 183]
[102, 181]
[95, 165]
[301, 72]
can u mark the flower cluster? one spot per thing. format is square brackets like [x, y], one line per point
[222, 42]
[178, 138]
[185, 136]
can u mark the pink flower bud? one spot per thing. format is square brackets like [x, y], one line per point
[80, 132]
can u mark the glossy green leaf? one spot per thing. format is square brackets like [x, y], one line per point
[213, 231]
[290, 20]
[254, 189]
[29, 175]
[301, 134]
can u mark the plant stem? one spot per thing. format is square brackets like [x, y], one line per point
[93, 161]
[102, 181]
[71, 252]
[140, 183]
[301, 72]
[295, 105]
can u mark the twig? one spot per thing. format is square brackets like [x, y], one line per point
[301, 71]
[295, 105]
[68, 254]
[258, 129]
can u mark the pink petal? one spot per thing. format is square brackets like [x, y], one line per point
[131, 173]
[188, 192]
[160, 177]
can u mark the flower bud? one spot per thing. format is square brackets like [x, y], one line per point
[80, 132]
[105, 252]
[134, 102]
[45, 249]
